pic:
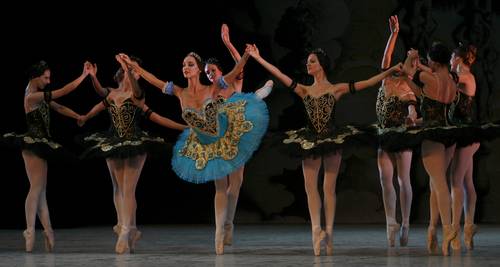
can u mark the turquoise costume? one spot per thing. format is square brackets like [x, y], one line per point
[222, 137]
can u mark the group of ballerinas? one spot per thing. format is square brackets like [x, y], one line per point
[448, 134]
[225, 126]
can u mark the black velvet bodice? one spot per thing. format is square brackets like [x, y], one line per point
[320, 113]
[38, 121]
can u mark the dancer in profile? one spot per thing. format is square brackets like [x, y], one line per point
[37, 146]
[462, 185]
[320, 141]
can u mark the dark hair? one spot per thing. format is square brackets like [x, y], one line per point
[197, 58]
[439, 53]
[467, 53]
[323, 58]
[120, 74]
[136, 59]
[36, 70]
[214, 61]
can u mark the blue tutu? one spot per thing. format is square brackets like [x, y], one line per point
[222, 137]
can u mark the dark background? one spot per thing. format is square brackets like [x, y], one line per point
[354, 33]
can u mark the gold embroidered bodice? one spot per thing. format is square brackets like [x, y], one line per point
[38, 121]
[320, 111]
[230, 124]
[391, 111]
[124, 118]
[207, 119]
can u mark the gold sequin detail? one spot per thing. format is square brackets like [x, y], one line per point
[105, 146]
[226, 147]
[320, 110]
[206, 122]
[123, 118]
[294, 136]
[391, 111]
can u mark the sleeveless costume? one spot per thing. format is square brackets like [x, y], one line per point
[320, 136]
[392, 130]
[38, 139]
[222, 137]
[124, 138]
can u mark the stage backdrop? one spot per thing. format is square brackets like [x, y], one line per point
[354, 34]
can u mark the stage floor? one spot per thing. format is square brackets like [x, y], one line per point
[254, 245]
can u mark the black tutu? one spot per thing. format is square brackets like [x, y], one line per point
[469, 134]
[43, 147]
[38, 139]
[446, 135]
[306, 143]
[125, 138]
[108, 145]
[394, 139]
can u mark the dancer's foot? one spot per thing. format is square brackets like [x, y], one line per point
[432, 241]
[228, 234]
[134, 236]
[122, 242]
[329, 243]
[469, 231]
[265, 90]
[318, 236]
[219, 242]
[29, 236]
[392, 232]
[455, 242]
[49, 240]
[403, 236]
[449, 233]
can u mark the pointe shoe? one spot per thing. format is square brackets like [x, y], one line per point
[318, 237]
[469, 231]
[219, 246]
[432, 241]
[265, 90]
[29, 236]
[49, 240]
[134, 236]
[329, 244]
[455, 242]
[228, 234]
[449, 233]
[392, 231]
[122, 242]
[219, 242]
[403, 235]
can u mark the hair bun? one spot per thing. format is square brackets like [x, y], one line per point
[471, 54]
[37, 69]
